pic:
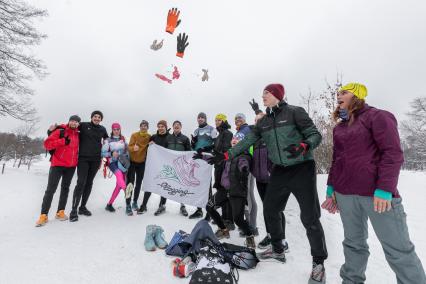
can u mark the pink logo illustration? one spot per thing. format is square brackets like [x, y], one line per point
[182, 172]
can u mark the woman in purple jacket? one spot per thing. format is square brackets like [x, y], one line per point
[362, 184]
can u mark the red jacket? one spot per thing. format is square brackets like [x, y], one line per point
[65, 155]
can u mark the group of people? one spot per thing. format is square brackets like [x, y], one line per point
[276, 154]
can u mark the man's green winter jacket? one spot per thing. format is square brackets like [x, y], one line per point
[282, 126]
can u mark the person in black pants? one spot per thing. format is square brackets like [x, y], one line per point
[62, 144]
[89, 162]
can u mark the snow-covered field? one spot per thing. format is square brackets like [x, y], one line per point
[108, 247]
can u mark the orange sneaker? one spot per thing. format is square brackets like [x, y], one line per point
[61, 215]
[42, 220]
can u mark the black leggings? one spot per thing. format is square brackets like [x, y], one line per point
[137, 169]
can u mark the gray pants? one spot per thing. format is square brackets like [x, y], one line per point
[251, 208]
[391, 230]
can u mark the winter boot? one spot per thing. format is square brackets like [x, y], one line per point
[318, 274]
[135, 206]
[42, 220]
[73, 216]
[60, 215]
[183, 210]
[142, 209]
[129, 211]
[222, 234]
[197, 214]
[159, 240]
[271, 254]
[129, 190]
[265, 243]
[84, 211]
[161, 209]
[149, 238]
[110, 208]
[250, 243]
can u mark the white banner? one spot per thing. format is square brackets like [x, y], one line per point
[175, 175]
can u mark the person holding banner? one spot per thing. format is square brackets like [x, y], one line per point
[114, 150]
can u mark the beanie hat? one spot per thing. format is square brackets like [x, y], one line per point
[359, 90]
[277, 90]
[144, 122]
[97, 112]
[162, 122]
[177, 121]
[221, 116]
[240, 115]
[202, 115]
[116, 125]
[75, 118]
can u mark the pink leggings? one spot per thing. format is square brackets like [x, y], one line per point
[121, 184]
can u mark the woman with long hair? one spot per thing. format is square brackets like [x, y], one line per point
[362, 185]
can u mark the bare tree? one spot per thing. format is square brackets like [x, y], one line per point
[17, 64]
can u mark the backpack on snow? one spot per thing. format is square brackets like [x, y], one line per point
[61, 135]
[240, 257]
[174, 248]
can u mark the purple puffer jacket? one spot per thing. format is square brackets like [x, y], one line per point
[367, 155]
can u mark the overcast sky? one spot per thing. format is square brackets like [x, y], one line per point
[98, 56]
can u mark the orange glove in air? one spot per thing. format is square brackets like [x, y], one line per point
[172, 20]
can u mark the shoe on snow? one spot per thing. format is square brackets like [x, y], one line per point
[110, 208]
[183, 211]
[265, 243]
[129, 190]
[222, 234]
[73, 216]
[84, 211]
[270, 254]
[149, 238]
[129, 211]
[159, 240]
[61, 216]
[135, 206]
[197, 214]
[250, 243]
[161, 209]
[318, 274]
[42, 220]
[142, 210]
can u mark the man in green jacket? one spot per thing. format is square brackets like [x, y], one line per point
[290, 136]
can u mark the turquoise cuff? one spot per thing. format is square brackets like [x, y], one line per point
[386, 195]
[330, 190]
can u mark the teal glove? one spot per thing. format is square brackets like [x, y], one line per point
[386, 195]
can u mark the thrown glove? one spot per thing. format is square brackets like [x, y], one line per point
[296, 150]
[172, 20]
[182, 43]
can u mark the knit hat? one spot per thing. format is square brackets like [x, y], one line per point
[75, 118]
[162, 122]
[359, 90]
[177, 121]
[97, 112]
[221, 116]
[145, 123]
[116, 125]
[277, 90]
[240, 115]
[202, 115]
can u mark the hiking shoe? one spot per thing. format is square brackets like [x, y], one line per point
[142, 210]
[129, 211]
[149, 238]
[183, 211]
[84, 211]
[159, 240]
[317, 274]
[229, 224]
[42, 220]
[60, 215]
[110, 208]
[73, 216]
[161, 209]
[250, 243]
[135, 206]
[265, 243]
[197, 214]
[222, 234]
[271, 254]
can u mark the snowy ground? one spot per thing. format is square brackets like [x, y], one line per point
[108, 247]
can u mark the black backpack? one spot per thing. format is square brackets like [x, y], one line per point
[61, 135]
